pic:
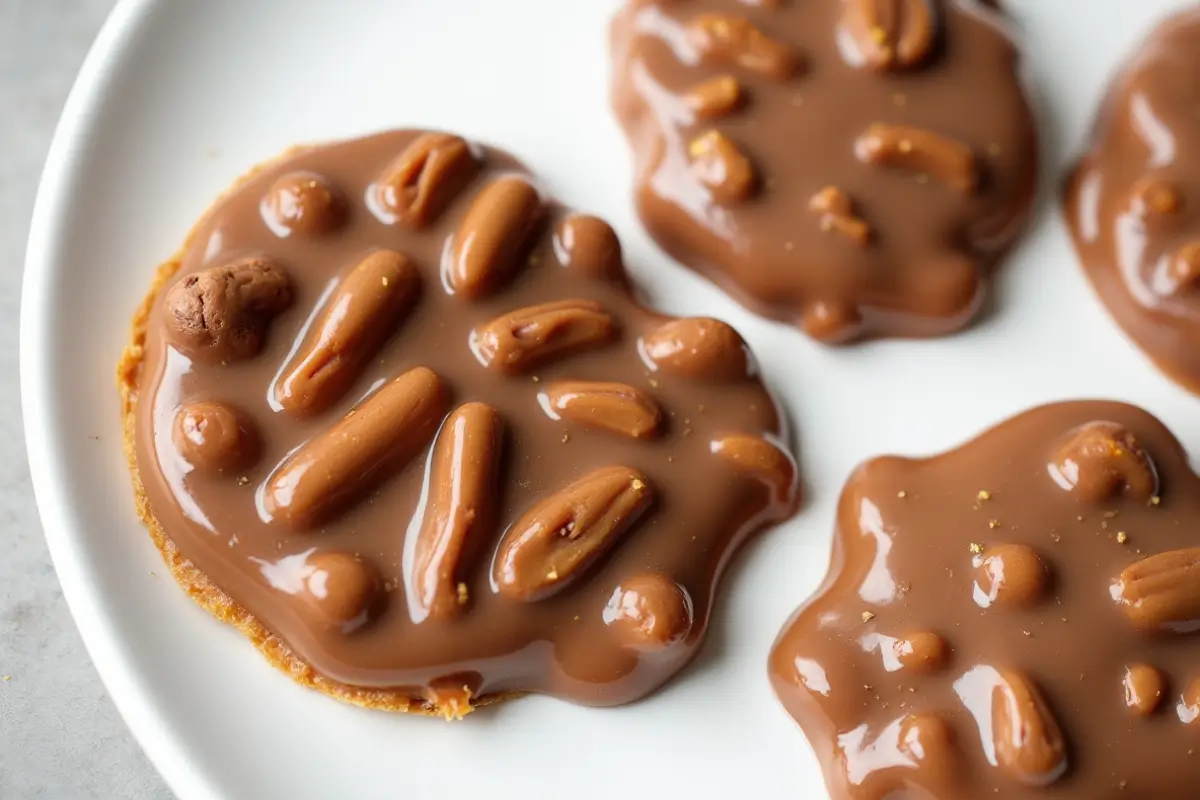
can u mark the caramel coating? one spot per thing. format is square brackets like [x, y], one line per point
[302, 203]
[1010, 575]
[649, 612]
[215, 437]
[341, 589]
[1144, 688]
[1103, 460]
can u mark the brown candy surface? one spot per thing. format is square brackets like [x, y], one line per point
[1133, 201]
[433, 444]
[985, 632]
[855, 167]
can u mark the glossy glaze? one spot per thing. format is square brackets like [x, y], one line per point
[913, 677]
[1133, 201]
[322, 561]
[776, 184]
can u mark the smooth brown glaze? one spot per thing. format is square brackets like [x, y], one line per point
[855, 167]
[1133, 201]
[1016, 618]
[402, 407]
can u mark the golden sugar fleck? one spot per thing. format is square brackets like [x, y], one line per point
[867, 616]
[7, 678]
[984, 495]
[566, 438]
[463, 594]
[385, 280]
[552, 575]
[536, 379]
[902, 494]
[1155, 500]
[1121, 537]
[654, 383]
[993, 523]
[243, 480]
[976, 548]
[638, 485]
[1028, 634]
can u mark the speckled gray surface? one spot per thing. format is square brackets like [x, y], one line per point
[60, 736]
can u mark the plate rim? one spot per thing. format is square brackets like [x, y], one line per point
[42, 267]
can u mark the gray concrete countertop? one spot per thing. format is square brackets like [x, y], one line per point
[60, 736]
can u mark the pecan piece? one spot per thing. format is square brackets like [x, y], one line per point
[921, 151]
[560, 537]
[726, 39]
[421, 182]
[377, 437]
[760, 460]
[589, 246]
[1102, 460]
[215, 437]
[341, 590]
[649, 612]
[889, 34]
[490, 240]
[1162, 591]
[697, 348]
[837, 215]
[1009, 575]
[222, 313]
[358, 318]
[525, 338]
[1154, 198]
[1144, 689]
[715, 98]
[303, 203]
[718, 164]
[459, 507]
[1028, 742]
[1184, 270]
[614, 407]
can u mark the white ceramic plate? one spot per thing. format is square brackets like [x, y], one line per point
[178, 98]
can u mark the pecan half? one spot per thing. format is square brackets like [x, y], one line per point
[614, 407]
[459, 507]
[890, 34]
[492, 236]
[528, 337]
[561, 536]
[221, 313]
[734, 40]
[421, 182]
[1028, 742]
[377, 437]
[718, 164]
[358, 318]
[921, 151]
[1162, 591]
